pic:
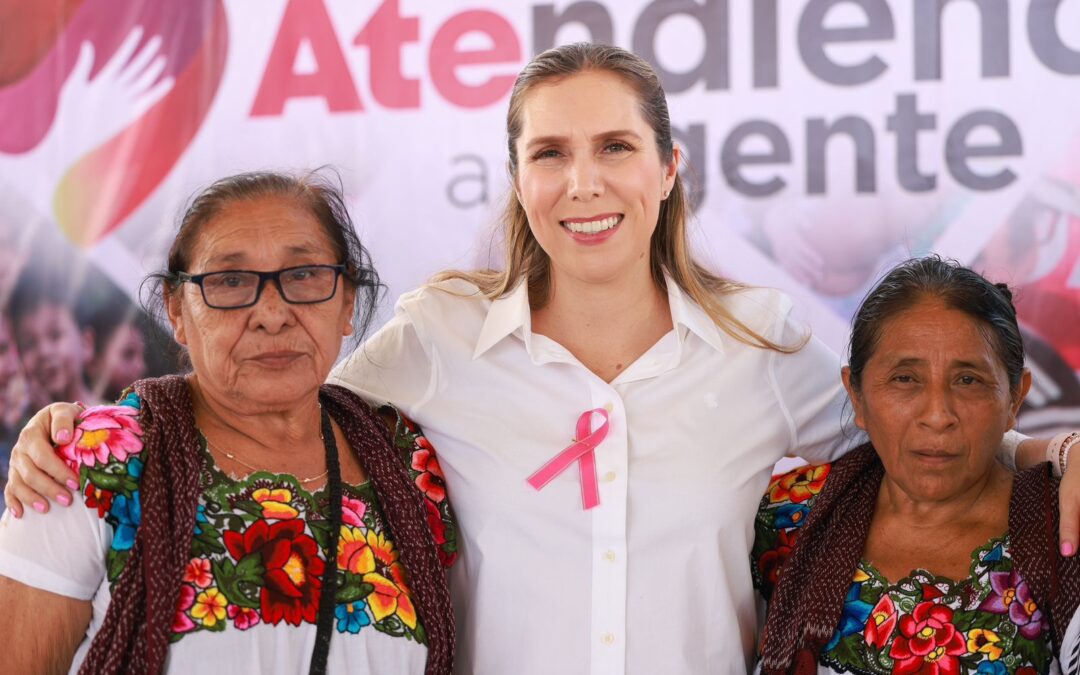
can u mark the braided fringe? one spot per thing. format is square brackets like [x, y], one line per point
[405, 513]
[134, 638]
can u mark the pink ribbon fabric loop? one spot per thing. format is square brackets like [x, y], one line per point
[582, 452]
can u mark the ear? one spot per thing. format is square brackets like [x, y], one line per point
[174, 309]
[1019, 396]
[853, 396]
[671, 169]
[349, 312]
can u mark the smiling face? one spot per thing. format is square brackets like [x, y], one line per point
[935, 400]
[54, 350]
[590, 177]
[273, 354]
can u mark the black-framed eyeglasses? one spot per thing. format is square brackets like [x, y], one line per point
[235, 289]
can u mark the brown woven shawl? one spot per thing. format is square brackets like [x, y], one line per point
[809, 597]
[134, 637]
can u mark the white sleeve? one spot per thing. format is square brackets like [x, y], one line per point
[62, 552]
[1069, 652]
[394, 366]
[812, 398]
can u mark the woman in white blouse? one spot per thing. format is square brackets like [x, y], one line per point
[625, 552]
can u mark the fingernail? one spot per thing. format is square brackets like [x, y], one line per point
[72, 483]
[63, 436]
[17, 512]
[63, 499]
[1067, 549]
[39, 507]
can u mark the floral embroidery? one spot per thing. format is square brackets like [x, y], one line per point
[799, 485]
[103, 431]
[259, 546]
[986, 624]
[426, 472]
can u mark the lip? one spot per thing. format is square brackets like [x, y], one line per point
[935, 456]
[592, 239]
[277, 358]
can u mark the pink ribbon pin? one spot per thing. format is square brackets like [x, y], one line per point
[580, 451]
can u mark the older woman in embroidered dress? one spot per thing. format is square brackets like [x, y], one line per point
[918, 552]
[241, 516]
[625, 550]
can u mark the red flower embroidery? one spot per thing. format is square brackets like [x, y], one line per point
[770, 561]
[198, 572]
[882, 622]
[101, 499]
[928, 643]
[431, 480]
[293, 568]
[438, 531]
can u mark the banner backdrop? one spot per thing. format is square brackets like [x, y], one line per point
[826, 139]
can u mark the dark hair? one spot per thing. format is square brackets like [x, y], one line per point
[38, 287]
[960, 288]
[313, 191]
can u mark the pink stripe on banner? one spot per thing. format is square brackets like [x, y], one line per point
[582, 452]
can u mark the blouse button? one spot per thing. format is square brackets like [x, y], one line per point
[609, 477]
[609, 555]
[608, 639]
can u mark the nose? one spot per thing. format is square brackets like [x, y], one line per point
[937, 412]
[271, 313]
[585, 181]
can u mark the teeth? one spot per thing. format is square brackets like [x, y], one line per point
[593, 226]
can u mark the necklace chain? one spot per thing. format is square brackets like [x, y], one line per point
[213, 448]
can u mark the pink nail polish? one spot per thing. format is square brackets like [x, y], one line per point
[72, 483]
[1067, 549]
[63, 499]
[39, 507]
[63, 435]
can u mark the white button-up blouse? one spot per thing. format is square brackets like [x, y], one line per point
[656, 579]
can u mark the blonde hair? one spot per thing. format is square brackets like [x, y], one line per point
[669, 250]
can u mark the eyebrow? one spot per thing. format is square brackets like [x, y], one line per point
[977, 364]
[239, 257]
[554, 140]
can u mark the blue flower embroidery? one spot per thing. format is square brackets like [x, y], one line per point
[992, 668]
[791, 515]
[856, 612]
[200, 518]
[127, 515]
[351, 617]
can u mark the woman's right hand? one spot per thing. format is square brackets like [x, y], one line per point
[36, 474]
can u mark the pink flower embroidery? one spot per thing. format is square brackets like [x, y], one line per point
[182, 623]
[243, 617]
[352, 511]
[103, 431]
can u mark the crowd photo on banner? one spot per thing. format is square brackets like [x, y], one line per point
[838, 182]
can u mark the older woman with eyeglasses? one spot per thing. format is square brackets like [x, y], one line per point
[244, 515]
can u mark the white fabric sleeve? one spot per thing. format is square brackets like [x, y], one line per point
[394, 366]
[1069, 651]
[811, 397]
[62, 551]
